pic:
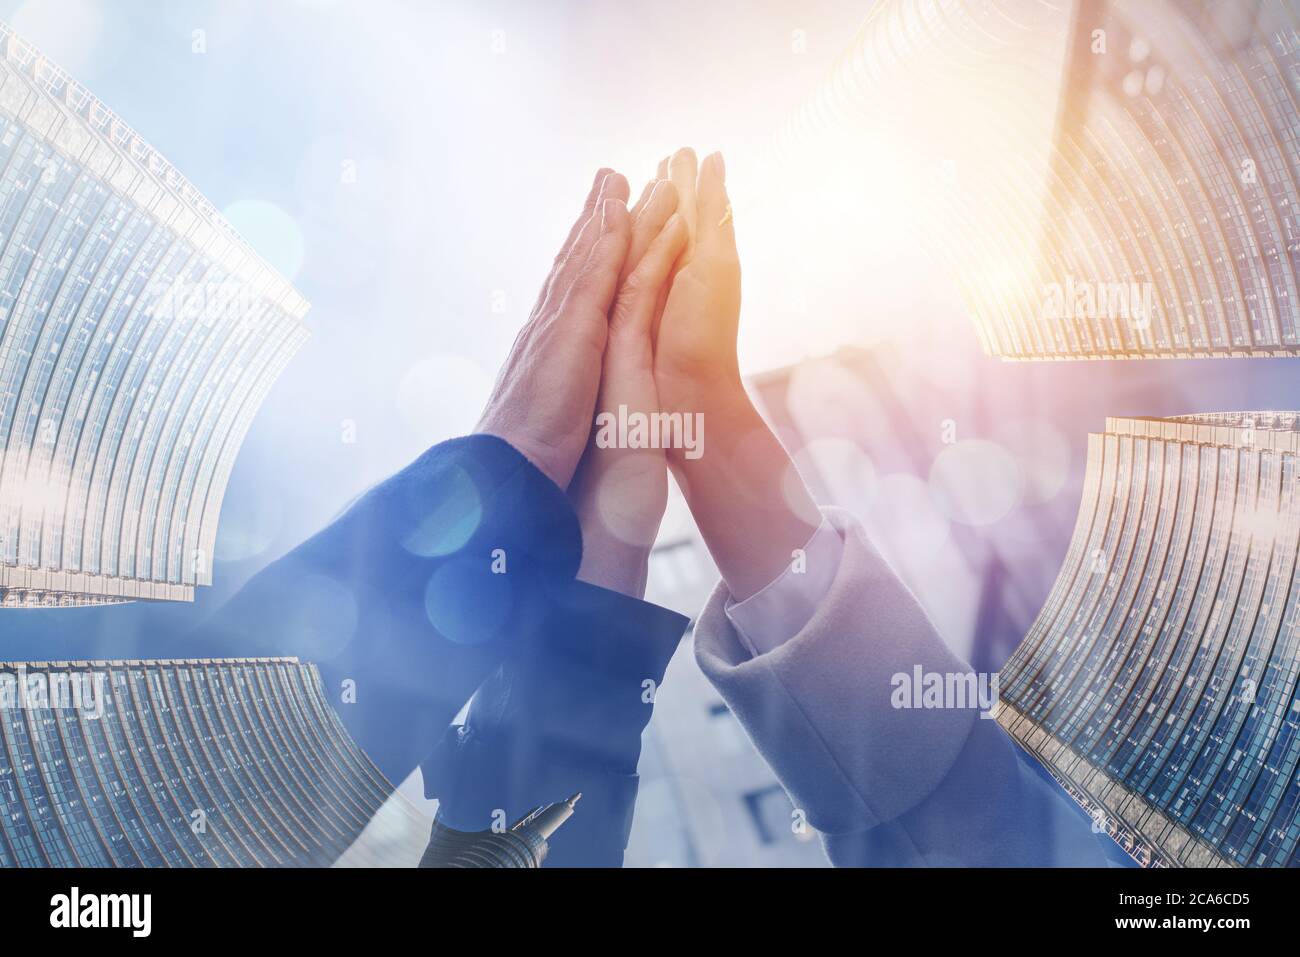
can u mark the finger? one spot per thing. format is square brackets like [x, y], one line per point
[638, 296]
[640, 239]
[661, 301]
[614, 189]
[592, 289]
[715, 232]
[648, 221]
[588, 207]
[662, 171]
[646, 193]
[598, 186]
[682, 171]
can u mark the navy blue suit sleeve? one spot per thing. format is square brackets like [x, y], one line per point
[561, 716]
[416, 594]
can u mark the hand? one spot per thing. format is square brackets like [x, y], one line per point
[747, 499]
[620, 493]
[544, 397]
[696, 368]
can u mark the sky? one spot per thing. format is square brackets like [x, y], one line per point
[413, 166]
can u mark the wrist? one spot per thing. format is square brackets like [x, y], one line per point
[749, 502]
[726, 415]
[615, 565]
[541, 456]
[712, 389]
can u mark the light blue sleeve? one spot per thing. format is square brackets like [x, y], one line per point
[779, 611]
[886, 783]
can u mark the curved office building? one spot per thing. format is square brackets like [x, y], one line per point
[1171, 215]
[225, 763]
[1158, 684]
[138, 336]
[1147, 209]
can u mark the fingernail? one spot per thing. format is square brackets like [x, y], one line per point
[716, 159]
[605, 207]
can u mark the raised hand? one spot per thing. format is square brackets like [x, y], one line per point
[545, 394]
[749, 503]
[695, 359]
[619, 491]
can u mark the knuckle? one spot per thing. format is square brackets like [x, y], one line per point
[604, 259]
[563, 256]
[633, 286]
[585, 277]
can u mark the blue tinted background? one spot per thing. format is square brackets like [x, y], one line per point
[412, 167]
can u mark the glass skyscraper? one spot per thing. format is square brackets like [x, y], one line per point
[1159, 683]
[138, 336]
[198, 763]
[1103, 179]
[1171, 221]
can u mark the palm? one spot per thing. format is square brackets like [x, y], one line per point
[696, 347]
[695, 352]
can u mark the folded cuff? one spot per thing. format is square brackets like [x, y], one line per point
[822, 708]
[772, 615]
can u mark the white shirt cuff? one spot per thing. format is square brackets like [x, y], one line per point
[778, 611]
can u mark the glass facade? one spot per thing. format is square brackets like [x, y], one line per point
[138, 337]
[1170, 222]
[1102, 179]
[1159, 683]
[213, 763]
